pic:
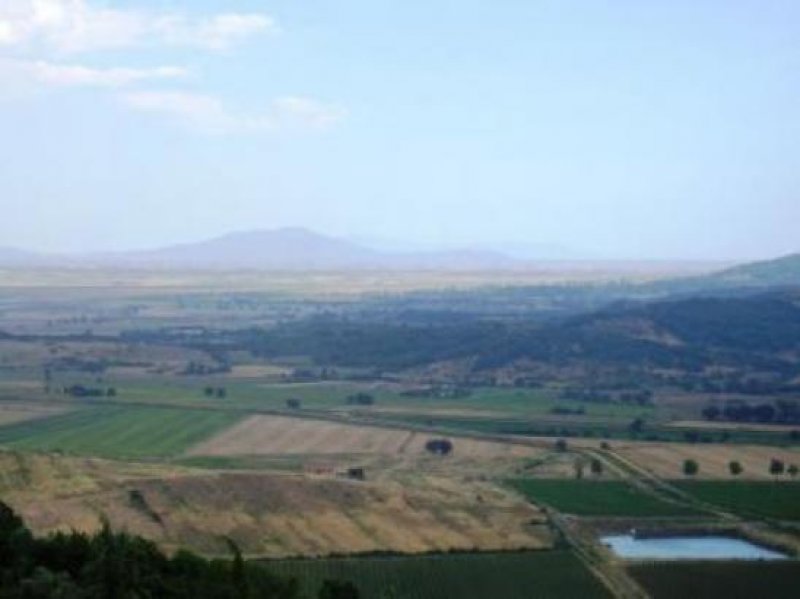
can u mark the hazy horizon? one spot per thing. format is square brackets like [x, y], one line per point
[627, 131]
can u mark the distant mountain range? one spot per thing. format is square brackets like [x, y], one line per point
[296, 249]
[278, 249]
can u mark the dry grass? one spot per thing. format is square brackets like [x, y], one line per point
[666, 459]
[266, 435]
[267, 514]
[12, 412]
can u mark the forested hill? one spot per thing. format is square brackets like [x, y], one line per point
[758, 331]
[783, 271]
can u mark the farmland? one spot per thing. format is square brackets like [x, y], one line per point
[508, 575]
[259, 435]
[709, 580]
[596, 498]
[211, 432]
[779, 500]
[666, 459]
[117, 431]
[13, 412]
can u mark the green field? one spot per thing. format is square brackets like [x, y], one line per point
[466, 576]
[779, 500]
[596, 498]
[118, 432]
[711, 580]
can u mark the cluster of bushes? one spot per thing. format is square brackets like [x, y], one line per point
[84, 391]
[111, 565]
[643, 397]
[218, 392]
[360, 399]
[781, 411]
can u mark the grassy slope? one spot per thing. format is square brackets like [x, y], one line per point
[499, 576]
[596, 498]
[118, 431]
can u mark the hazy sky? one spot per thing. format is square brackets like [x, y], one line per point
[635, 128]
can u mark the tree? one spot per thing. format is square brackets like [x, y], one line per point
[221, 392]
[776, 467]
[690, 467]
[711, 412]
[561, 445]
[439, 446]
[596, 466]
[735, 468]
[579, 465]
[293, 403]
[636, 426]
[360, 399]
[208, 391]
[338, 589]
[793, 470]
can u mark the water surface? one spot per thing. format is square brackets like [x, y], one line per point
[688, 547]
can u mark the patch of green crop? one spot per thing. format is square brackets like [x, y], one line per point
[112, 431]
[596, 498]
[769, 499]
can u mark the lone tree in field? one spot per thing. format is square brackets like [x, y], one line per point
[439, 446]
[793, 470]
[293, 403]
[596, 466]
[735, 468]
[776, 467]
[690, 467]
[561, 445]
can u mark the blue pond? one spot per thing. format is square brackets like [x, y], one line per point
[687, 547]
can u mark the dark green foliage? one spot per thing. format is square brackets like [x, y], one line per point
[439, 446]
[338, 589]
[690, 467]
[713, 580]
[360, 399]
[526, 575]
[776, 467]
[111, 565]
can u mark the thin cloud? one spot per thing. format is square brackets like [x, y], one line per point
[71, 26]
[210, 115]
[72, 75]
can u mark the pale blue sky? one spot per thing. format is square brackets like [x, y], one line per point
[621, 128]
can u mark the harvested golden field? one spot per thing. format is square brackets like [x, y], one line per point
[264, 435]
[11, 412]
[267, 514]
[666, 459]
